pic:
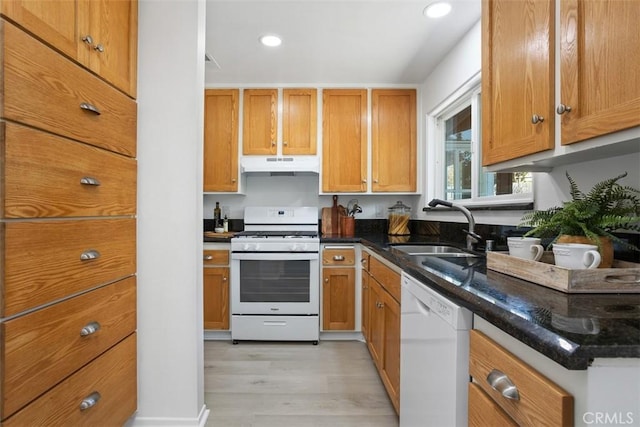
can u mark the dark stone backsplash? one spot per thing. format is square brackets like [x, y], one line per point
[452, 232]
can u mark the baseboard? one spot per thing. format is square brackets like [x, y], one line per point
[213, 335]
[341, 336]
[199, 421]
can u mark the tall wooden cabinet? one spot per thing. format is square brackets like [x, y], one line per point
[68, 206]
[260, 121]
[220, 171]
[598, 44]
[344, 143]
[393, 140]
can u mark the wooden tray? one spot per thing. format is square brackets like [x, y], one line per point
[623, 277]
[219, 235]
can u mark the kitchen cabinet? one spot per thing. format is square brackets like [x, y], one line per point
[384, 326]
[260, 118]
[596, 98]
[523, 396]
[100, 35]
[69, 182]
[299, 121]
[216, 288]
[393, 140]
[221, 110]
[344, 141]
[517, 79]
[365, 295]
[338, 288]
[598, 46]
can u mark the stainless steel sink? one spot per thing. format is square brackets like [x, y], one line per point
[432, 250]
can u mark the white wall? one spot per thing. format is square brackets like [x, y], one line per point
[170, 133]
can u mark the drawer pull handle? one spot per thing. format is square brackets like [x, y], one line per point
[338, 257]
[87, 180]
[90, 107]
[562, 108]
[208, 257]
[535, 119]
[90, 401]
[501, 383]
[90, 329]
[99, 47]
[89, 255]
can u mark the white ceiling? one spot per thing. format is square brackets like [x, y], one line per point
[330, 41]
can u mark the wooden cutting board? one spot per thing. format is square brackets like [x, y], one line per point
[329, 227]
[326, 221]
[219, 235]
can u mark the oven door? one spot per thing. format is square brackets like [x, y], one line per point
[277, 283]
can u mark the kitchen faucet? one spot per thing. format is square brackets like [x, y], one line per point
[472, 237]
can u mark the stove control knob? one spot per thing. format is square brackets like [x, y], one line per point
[250, 247]
[297, 247]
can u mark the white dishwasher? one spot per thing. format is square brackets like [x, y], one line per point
[434, 358]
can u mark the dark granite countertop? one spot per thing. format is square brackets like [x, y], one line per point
[571, 329]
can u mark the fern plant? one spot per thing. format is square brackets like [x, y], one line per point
[607, 207]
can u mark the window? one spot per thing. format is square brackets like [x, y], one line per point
[459, 175]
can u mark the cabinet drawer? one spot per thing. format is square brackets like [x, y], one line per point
[43, 260]
[44, 90]
[215, 257]
[48, 176]
[485, 412]
[111, 378]
[64, 333]
[540, 402]
[346, 256]
[389, 279]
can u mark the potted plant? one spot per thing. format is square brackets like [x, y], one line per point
[590, 217]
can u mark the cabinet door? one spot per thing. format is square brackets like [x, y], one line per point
[517, 79]
[54, 22]
[221, 140]
[393, 140]
[112, 50]
[260, 131]
[390, 371]
[338, 299]
[599, 48]
[344, 144]
[376, 322]
[365, 305]
[299, 121]
[216, 298]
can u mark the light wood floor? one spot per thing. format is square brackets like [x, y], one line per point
[265, 384]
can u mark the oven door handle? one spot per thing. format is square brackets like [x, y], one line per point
[275, 256]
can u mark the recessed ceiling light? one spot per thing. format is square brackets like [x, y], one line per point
[271, 40]
[437, 9]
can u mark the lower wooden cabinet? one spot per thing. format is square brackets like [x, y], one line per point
[506, 391]
[215, 287]
[338, 288]
[384, 326]
[102, 393]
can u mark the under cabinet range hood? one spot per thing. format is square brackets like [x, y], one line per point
[280, 165]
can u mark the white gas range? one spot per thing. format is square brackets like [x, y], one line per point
[275, 289]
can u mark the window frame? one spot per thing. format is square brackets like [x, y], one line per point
[468, 94]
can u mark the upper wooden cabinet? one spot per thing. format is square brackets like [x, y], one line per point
[599, 48]
[598, 43]
[299, 121]
[517, 79]
[393, 140]
[344, 145]
[101, 35]
[221, 140]
[260, 118]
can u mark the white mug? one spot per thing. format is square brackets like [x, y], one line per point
[576, 255]
[525, 247]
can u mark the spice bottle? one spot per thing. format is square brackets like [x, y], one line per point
[225, 224]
